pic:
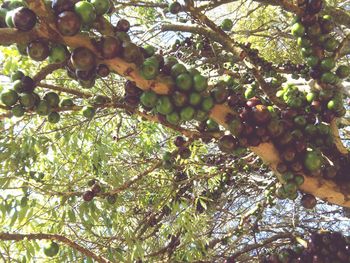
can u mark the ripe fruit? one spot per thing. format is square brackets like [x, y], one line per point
[184, 153]
[63, 5]
[88, 196]
[102, 70]
[200, 83]
[9, 97]
[101, 6]
[184, 81]
[149, 99]
[312, 161]
[227, 143]
[52, 249]
[85, 11]
[123, 25]
[83, 59]
[52, 98]
[111, 199]
[308, 201]
[54, 117]
[226, 24]
[174, 8]
[43, 108]
[110, 47]
[298, 30]
[24, 19]
[38, 50]
[314, 6]
[88, 112]
[131, 52]
[343, 71]
[58, 54]
[187, 113]
[164, 105]
[68, 23]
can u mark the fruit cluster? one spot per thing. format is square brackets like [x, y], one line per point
[96, 190]
[325, 247]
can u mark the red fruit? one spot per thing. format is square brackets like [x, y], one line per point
[24, 19]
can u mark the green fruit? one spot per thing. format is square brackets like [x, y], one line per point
[179, 99]
[312, 161]
[193, 72]
[298, 30]
[195, 98]
[43, 108]
[200, 83]
[249, 93]
[164, 105]
[177, 69]
[235, 127]
[27, 100]
[9, 97]
[101, 6]
[207, 104]
[303, 42]
[18, 111]
[88, 112]
[201, 115]
[299, 180]
[9, 19]
[86, 11]
[288, 176]
[150, 50]
[149, 99]
[13, 4]
[187, 113]
[66, 103]
[226, 24]
[58, 54]
[331, 44]
[212, 125]
[300, 121]
[328, 77]
[325, 94]
[280, 93]
[290, 188]
[173, 118]
[334, 105]
[149, 69]
[184, 81]
[327, 64]
[52, 98]
[54, 117]
[343, 71]
[52, 249]
[310, 97]
[17, 75]
[312, 61]
[17, 86]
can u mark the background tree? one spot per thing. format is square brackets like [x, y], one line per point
[229, 106]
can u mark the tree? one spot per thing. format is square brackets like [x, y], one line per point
[154, 131]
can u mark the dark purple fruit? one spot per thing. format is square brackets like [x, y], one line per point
[85, 75]
[184, 153]
[308, 19]
[38, 50]
[83, 59]
[28, 84]
[261, 114]
[132, 89]
[252, 102]
[63, 5]
[308, 201]
[88, 196]
[24, 19]
[314, 6]
[281, 168]
[123, 25]
[227, 143]
[179, 141]
[96, 188]
[68, 23]
[102, 70]
[110, 47]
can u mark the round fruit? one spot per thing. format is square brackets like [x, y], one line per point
[110, 47]
[308, 201]
[184, 153]
[18, 111]
[28, 84]
[177, 69]
[227, 143]
[9, 97]
[328, 77]
[312, 61]
[52, 249]
[83, 59]
[201, 115]
[184, 81]
[343, 71]
[38, 50]
[123, 25]
[88, 112]
[173, 118]
[149, 69]
[330, 44]
[58, 54]
[187, 113]
[327, 64]
[195, 98]
[149, 99]
[207, 104]
[24, 19]
[131, 52]
[303, 42]
[226, 24]
[200, 83]
[149, 50]
[102, 70]
[298, 30]
[111, 199]
[86, 11]
[63, 5]
[175, 8]
[164, 105]
[312, 161]
[52, 99]
[67, 103]
[17, 75]
[88, 196]
[43, 108]
[27, 100]
[101, 6]
[54, 117]
[68, 23]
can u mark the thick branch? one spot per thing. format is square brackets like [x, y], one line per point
[60, 238]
